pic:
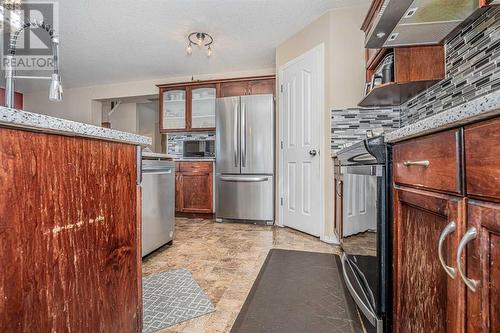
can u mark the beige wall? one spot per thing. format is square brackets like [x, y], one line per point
[124, 118]
[148, 123]
[339, 31]
[81, 104]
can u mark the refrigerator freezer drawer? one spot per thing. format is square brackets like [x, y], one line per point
[245, 197]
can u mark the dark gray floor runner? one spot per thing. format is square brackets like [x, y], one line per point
[298, 292]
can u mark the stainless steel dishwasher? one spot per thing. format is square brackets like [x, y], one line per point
[158, 201]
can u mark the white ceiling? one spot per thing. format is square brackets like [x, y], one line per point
[128, 40]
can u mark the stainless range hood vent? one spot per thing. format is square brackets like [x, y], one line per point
[430, 21]
[418, 22]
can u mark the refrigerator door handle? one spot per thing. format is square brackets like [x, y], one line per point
[235, 135]
[244, 179]
[243, 135]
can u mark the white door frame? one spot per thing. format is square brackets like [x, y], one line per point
[322, 150]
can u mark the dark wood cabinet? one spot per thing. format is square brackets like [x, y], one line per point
[483, 258]
[415, 69]
[18, 99]
[432, 162]
[486, 3]
[178, 192]
[70, 233]
[429, 296]
[426, 298]
[190, 106]
[197, 192]
[482, 159]
[250, 87]
[237, 88]
[194, 187]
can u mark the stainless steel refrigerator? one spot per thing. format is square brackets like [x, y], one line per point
[245, 158]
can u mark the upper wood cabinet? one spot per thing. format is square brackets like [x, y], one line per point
[203, 106]
[230, 89]
[414, 70]
[250, 87]
[190, 106]
[174, 108]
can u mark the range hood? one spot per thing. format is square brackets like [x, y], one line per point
[419, 22]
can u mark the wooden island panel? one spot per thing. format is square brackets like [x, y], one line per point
[69, 235]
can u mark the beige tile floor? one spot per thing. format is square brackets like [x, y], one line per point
[225, 260]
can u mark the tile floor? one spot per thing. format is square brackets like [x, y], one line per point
[225, 260]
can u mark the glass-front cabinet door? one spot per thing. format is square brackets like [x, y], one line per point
[174, 109]
[203, 107]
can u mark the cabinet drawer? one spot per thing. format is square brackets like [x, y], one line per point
[195, 166]
[482, 159]
[431, 162]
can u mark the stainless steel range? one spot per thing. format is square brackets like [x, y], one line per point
[366, 229]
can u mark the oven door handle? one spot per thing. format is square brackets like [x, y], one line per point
[367, 311]
[366, 170]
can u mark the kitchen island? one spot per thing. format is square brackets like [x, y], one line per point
[69, 226]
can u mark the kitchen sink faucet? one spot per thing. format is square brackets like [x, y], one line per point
[55, 90]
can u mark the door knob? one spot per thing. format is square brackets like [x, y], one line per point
[313, 152]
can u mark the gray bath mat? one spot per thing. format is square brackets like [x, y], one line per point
[172, 297]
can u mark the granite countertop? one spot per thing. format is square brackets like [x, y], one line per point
[479, 108]
[42, 123]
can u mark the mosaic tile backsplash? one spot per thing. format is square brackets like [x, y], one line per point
[174, 141]
[472, 70]
[350, 125]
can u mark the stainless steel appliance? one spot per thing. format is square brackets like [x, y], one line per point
[158, 201]
[245, 158]
[419, 22]
[366, 230]
[198, 149]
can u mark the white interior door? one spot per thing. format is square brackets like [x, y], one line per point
[301, 96]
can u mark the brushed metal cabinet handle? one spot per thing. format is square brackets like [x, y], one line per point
[424, 163]
[235, 135]
[244, 179]
[450, 228]
[243, 135]
[469, 236]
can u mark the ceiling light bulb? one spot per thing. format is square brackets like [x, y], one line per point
[209, 52]
[189, 49]
[200, 37]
